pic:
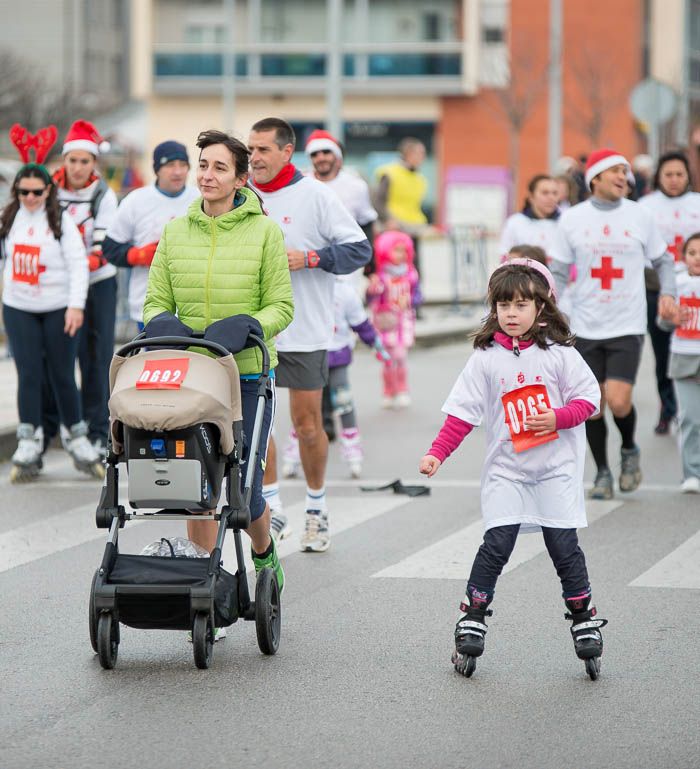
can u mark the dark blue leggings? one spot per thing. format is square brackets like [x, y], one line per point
[33, 336]
[562, 546]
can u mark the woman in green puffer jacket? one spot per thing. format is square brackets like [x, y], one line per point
[226, 258]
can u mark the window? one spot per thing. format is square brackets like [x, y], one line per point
[492, 34]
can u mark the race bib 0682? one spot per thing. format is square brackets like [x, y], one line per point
[518, 406]
[163, 374]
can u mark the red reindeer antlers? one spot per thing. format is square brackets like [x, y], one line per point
[41, 142]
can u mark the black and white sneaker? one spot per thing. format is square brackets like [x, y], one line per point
[279, 527]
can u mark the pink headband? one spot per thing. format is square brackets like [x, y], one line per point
[537, 267]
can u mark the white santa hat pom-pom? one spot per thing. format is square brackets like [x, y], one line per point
[104, 146]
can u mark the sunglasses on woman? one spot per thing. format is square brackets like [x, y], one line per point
[24, 193]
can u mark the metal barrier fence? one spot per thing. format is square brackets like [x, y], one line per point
[471, 263]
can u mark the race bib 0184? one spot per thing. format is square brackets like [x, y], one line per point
[518, 406]
[691, 326]
[163, 374]
[25, 264]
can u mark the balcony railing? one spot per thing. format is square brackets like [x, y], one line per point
[362, 65]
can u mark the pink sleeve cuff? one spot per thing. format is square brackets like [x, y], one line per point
[574, 413]
[452, 433]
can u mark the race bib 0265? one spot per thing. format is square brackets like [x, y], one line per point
[691, 326]
[518, 406]
[163, 374]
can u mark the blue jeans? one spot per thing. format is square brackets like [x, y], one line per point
[95, 350]
[562, 546]
[35, 337]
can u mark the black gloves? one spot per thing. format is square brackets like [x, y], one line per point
[166, 324]
[232, 333]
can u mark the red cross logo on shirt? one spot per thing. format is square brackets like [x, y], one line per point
[676, 248]
[606, 272]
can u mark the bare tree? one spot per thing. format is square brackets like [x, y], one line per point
[598, 93]
[28, 97]
[514, 102]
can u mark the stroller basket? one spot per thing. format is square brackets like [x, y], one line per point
[154, 592]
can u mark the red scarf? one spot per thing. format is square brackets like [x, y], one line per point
[61, 179]
[281, 180]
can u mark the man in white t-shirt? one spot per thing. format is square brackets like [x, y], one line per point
[610, 239]
[323, 240]
[133, 236]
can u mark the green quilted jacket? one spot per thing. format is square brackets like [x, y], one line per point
[211, 267]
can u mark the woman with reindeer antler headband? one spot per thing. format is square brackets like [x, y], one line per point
[45, 284]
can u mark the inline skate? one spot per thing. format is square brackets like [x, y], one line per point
[585, 630]
[85, 456]
[470, 631]
[26, 461]
[351, 450]
[291, 460]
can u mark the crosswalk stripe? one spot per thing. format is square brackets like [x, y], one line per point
[449, 558]
[70, 528]
[680, 568]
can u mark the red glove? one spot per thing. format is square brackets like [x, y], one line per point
[96, 260]
[141, 257]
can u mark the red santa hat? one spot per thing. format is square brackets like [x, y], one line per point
[83, 135]
[601, 160]
[322, 140]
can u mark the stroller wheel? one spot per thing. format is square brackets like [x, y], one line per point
[268, 612]
[92, 615]
[107, 640]
[202, 640]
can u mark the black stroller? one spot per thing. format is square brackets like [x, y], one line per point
[176, 423]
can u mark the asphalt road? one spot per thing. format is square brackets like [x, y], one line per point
[363, 677]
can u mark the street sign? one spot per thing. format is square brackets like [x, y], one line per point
[653, 102]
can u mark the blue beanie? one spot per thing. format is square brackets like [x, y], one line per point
[167, 151]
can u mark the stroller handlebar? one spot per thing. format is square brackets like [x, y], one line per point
[140, 342]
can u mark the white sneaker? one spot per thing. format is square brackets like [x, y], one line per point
[388, 402]
[403, 400]
[219, 634]
[279, 526]
[690, 486]
[316, 537]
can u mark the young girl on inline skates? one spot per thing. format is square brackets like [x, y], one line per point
[392, 295]
[533, 390]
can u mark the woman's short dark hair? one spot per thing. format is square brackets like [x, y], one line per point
[284, 133]
[53, 208]
[235, 146]
[532, 186]
[667, 157]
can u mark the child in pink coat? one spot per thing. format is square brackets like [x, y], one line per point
[392, 295]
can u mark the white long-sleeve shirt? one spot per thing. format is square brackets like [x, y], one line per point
[41, 273]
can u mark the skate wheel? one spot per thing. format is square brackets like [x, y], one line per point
[98, 471]
[593, 667]
[202, 640]
[107, 640]
[268, 612]
[20, 474]
[464, 665]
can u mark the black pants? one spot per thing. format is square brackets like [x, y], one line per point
[562, 546]
[33, 337]
[661, 342]
[95, 350]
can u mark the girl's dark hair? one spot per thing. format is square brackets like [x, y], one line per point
[532, 185]
[53, 208]
[694, 236]
[235, 147]
[516, 281]
[666, 158]
[535, 253]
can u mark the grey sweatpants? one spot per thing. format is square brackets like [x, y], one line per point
[688, 392]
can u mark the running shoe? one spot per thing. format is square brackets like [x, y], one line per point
[317, 536]
[279, 526]
[603, 485]
[271, 562]
[630, 471]
[690, 486]
[219, 634]
[403, 400]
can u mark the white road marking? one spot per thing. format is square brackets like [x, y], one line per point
[450, 558]
[56, 533]
[680, 568]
